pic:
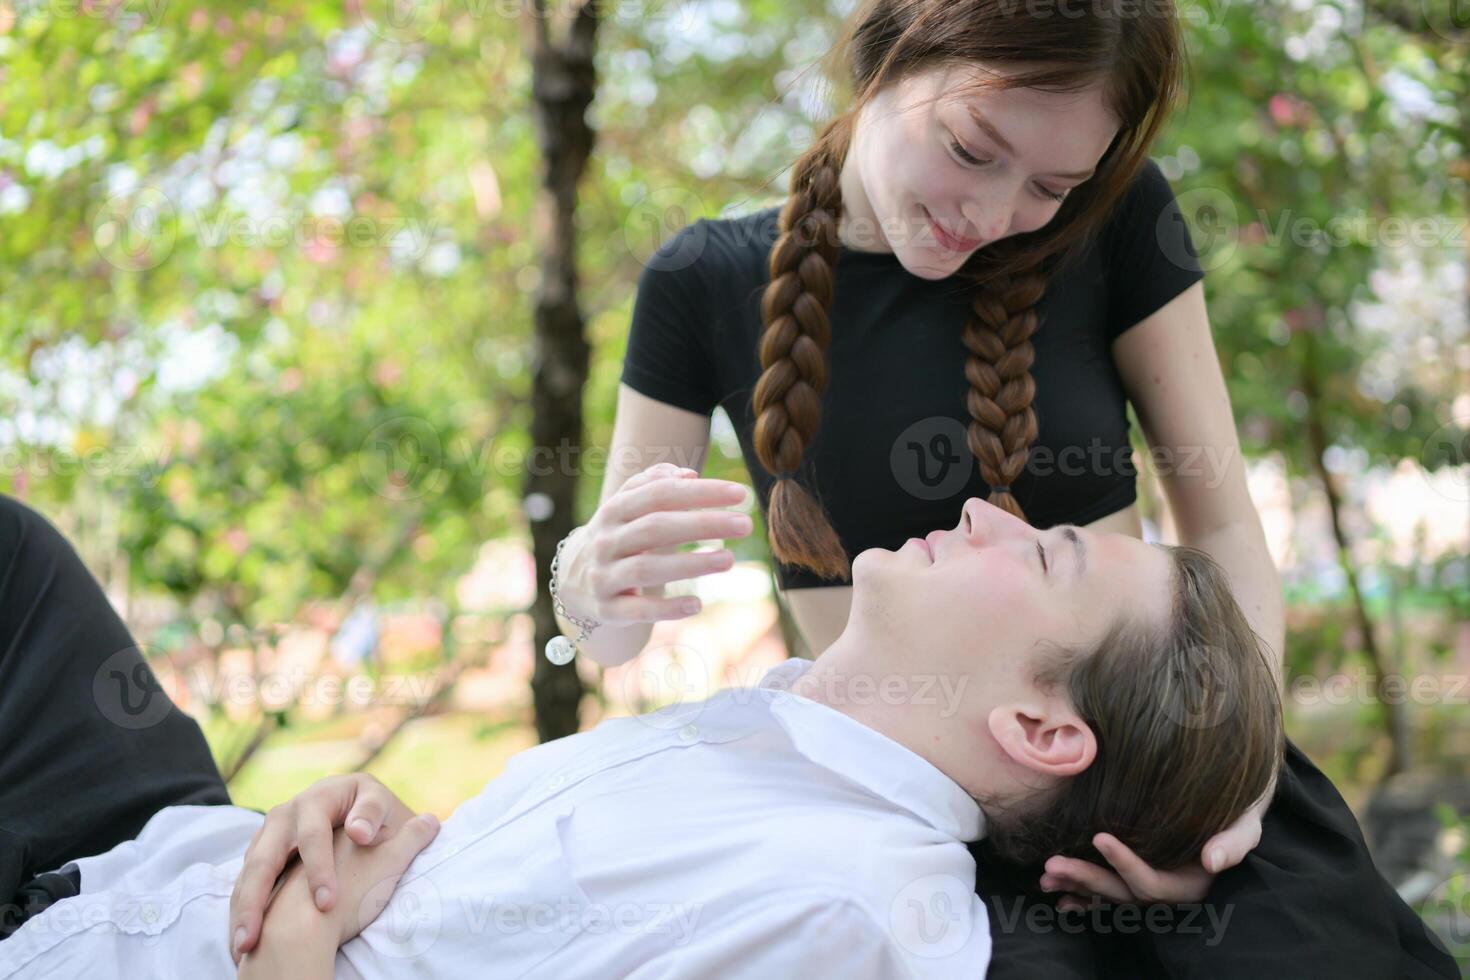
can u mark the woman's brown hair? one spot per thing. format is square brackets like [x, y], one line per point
[1133, 51]
[1187, 717]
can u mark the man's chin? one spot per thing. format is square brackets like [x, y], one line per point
[863, 561]
[886, 563]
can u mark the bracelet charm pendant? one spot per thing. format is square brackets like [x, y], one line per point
[559, 650]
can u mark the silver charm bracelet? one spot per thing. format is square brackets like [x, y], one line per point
[559, 649]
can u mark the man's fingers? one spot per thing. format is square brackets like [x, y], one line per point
[413, 837]
[262, 865]
[246, 917]
[396, 851]
[365, 821]
[389, 860]
[314, 842]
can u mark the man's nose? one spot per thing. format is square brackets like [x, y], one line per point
[988, 522]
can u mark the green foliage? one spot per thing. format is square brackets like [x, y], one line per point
[265, 273]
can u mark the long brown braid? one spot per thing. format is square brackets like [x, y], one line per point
[1139, 58]
[793, 352]
[1002, 421]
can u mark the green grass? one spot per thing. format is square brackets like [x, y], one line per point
[435, 763]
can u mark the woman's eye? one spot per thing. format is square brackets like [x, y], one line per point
[1045, 567]
[965, 154]
[974, 161]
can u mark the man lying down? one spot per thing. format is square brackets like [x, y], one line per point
[1038, 687]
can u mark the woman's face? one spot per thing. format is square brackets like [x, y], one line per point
[989, 592]
[921, 156]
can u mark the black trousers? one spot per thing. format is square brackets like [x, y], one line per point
[92, 748]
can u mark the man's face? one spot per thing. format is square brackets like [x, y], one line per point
[911, 149]
[983, 595]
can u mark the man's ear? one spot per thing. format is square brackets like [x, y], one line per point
[1044, 738]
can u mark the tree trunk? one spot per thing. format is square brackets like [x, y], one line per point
[1463, 607]
[563, 82]
[1395, 719]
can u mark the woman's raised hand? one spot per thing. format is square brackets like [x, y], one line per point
[304, 825]
[631, 544]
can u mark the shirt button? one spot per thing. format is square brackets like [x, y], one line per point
[689, 733]
[150, 914]
[557, 781]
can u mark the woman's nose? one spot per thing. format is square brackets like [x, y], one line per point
[990, 220]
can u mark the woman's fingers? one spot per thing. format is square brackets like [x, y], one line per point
[1189, 883]
[671, 528]
[1230, 846]
[1140, 878]
[1072, 903]
[1084, 877]
[632, 544]
[648, 609]
[655, 472]
[682, 493]
[648, 570]
[658, 471]
[1131, 880]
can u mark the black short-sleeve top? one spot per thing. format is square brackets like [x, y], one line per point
[890, 460]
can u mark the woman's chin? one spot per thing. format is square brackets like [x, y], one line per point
[929, 263]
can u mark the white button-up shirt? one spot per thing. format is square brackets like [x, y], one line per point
[756, 834]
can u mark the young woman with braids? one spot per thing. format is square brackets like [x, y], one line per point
[977, 269]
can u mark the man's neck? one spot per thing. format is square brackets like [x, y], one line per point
[852, 678]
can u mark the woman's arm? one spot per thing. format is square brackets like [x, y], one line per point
[1169, 367]
[1172, 376]
[1239, 545]
[646, 433]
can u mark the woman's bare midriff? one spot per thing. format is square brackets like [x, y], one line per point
[821, 613]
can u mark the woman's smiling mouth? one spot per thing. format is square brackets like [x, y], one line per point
[950, 241]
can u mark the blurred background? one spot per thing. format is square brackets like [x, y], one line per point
[304, 322]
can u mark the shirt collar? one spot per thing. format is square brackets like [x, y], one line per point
[847, 746]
